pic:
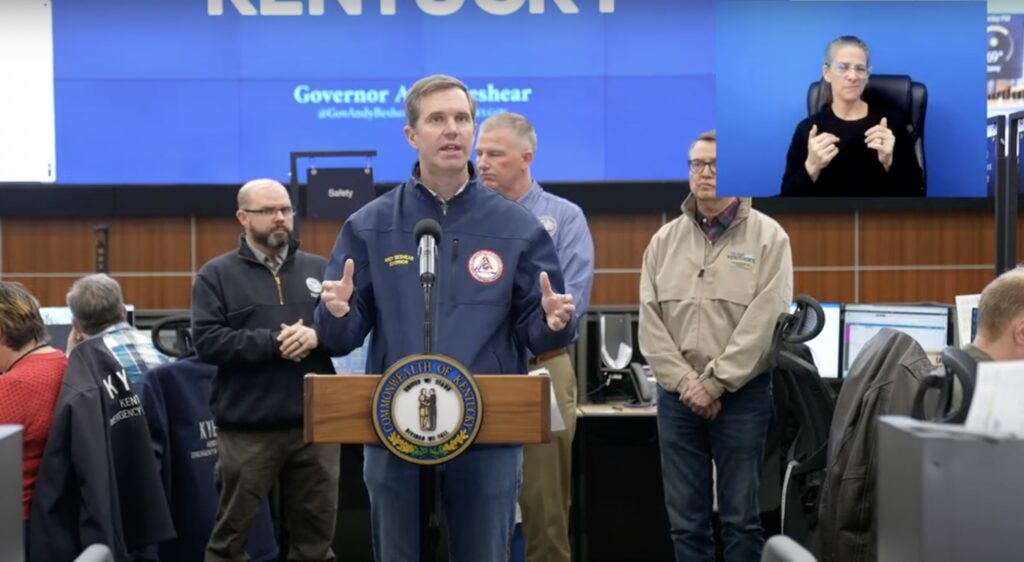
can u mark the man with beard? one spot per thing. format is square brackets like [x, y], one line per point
[252, 312]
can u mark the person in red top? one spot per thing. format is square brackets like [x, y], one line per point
[31, 377]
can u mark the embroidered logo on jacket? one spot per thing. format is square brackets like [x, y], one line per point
[741, 260]
[398, 259]
[485, 266]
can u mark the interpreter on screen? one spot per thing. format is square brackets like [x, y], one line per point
[850, 148]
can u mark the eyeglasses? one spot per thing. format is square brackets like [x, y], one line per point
[697, 166]
[271, 211]
[858, 69]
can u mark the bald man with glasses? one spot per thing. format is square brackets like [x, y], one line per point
[252, 312]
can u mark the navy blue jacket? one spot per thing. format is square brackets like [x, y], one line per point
[487, 299]
[176, 400]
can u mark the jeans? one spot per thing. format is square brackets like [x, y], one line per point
[736, 442]
[477, 492]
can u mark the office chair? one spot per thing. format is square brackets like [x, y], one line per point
[799, 441]
[180, 328]
[96, 553]
[781, 548]
[894, 91]
[882, 380]
[957, 368]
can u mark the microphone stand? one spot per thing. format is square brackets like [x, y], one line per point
[428, 519]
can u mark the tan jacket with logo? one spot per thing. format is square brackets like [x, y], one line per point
[707, 310]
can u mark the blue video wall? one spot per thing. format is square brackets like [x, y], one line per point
[207, 91]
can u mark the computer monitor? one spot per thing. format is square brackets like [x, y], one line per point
[825, 346]
[355, 361]
[927, 324]
[58, 323]
[996, 152]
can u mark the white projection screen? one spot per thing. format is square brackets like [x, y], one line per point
[27, 136]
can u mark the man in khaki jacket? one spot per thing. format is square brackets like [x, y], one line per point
[713, 283]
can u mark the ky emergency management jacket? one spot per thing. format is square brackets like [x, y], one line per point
[707, 310]
[238, 306]
[176, 399]
[486, 300]
[99, 481]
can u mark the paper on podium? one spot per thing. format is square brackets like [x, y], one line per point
[965, 319]
[557, 423]
[998, 403]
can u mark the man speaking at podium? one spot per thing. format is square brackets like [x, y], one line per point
[497, 298]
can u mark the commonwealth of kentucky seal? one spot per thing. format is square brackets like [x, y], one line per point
[427, 409]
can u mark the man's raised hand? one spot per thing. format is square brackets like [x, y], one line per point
[558, 308]
[336, 294]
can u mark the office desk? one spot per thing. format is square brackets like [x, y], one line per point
[615, 410]
[618, 505]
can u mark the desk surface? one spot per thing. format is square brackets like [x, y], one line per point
[615, 409]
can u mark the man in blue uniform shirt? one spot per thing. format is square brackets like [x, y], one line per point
[496, 299]
[504, 153]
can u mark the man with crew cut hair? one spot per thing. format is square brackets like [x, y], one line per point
[504, 152]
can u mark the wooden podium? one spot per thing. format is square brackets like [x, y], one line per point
[517, 409]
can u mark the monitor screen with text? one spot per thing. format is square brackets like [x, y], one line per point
[928, 325]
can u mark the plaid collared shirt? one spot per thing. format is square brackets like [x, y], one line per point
[716, 226]
[132, 349]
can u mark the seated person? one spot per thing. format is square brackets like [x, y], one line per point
[851, 149]
[1000, 334]
[99, 480]
[32, 373]
[97, 309]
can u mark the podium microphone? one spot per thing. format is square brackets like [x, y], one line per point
[428, 236]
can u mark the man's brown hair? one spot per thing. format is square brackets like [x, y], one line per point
[426, 86]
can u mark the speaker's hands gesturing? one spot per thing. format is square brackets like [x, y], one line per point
[336, 294]
[558, 308]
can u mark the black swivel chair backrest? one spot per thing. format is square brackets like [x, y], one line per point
[809, 404]
[895, 91]
[957, 368]
[180, 328]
